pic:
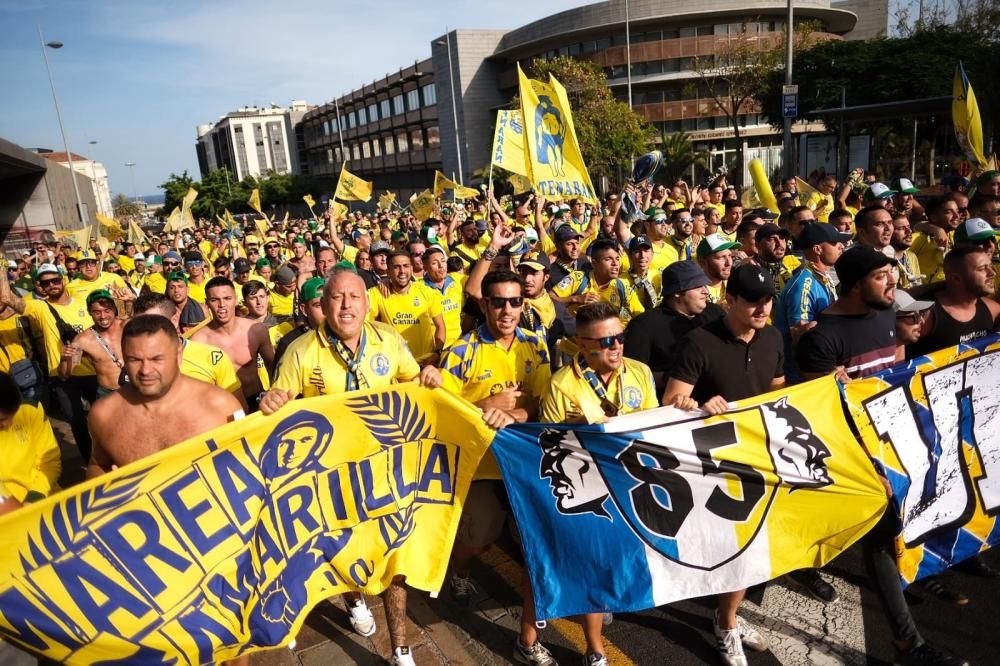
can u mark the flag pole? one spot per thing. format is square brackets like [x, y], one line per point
[489, 190]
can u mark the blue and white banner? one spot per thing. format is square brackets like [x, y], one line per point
[657, 506]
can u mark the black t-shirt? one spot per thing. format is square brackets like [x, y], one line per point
[653, 336]
[716, 362]
[863, 344]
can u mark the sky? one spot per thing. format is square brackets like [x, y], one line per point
[138, 76]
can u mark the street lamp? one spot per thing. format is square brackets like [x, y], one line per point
[454, 107]
[81, 210]
[97, 186]
[789, 153]
[131, 170]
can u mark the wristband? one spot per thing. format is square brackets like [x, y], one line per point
[489, 254]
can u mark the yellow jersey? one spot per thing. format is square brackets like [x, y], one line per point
[468, 255]
[930, 257]
[80, 288]
[126, 262]
[814, 200]
[196, 292]
[570, 395]
[664, 254]
[452, 299]
[209, 364]
[717, 293]
[477, 366]
[311, 366]
[648, 292]
[75, 314]
[617, 292]
[30, 459]
[281, 305]
[411, 314]
[156, 283]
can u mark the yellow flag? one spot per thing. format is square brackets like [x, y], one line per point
[110, 228]
[422, 205]
[442, 184]
[352, 188]
[254, 201]
[221, 545]
[339, 210]
[555, 163]
[309, 201]
[386, 200]
[261, 226]
[508, 143]
[965, 116]
[187, 218]
[136, 234]
[79, 237]
[230, 221]
[173, 220]
[520, 183]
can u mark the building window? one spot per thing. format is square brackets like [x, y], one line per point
[413, 100]
[397, 105]
[429, 93]
[376, 147]
[433, 137]
[372, 112]
[340, 157]
[384, 107]
[417, 139]
[352, 120]
[387, 143]
[366, 150]
[356, 151]
[401, 143]
[362, 116]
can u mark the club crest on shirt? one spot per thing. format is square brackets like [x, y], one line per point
[380, 364]
[633, 397]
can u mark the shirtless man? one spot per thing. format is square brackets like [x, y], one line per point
[242, 339]
[102, 343]
[128, 425]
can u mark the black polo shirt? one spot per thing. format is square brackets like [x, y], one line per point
[653, 336]
[716, 362]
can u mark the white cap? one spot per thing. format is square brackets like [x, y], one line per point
[47, 268]
[906, 303]
[139, 257]
[323, 243]
[11, 264]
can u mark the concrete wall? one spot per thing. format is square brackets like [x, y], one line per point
[62, 200]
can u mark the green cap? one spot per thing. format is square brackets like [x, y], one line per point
[99, 294]
[178, 276]
[714, 243]
[157, 259]
[655, 214]
[263, 261]
[396, 235]
[346, 264]
[311, 288]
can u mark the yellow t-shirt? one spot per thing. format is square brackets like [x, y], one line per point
[930, 257]
[465, 253]
[156, 283]
[452, 300]
[814, 201]
[43, 324]
[30, 459]
[209, 364]
[75, 314]
[279, 331]
[15, 343]
[280, 305]
[655, 279]
[311, 367]
[617, 292]
[717, 293]
[571, 396]
[477, 366]
[196, 292]
[126, 262]
[411, 314]
[80, 288]
[664, 254]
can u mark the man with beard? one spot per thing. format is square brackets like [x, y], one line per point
[469, 249]
[91, 278]
[282, 300]
[902, 239]
[874, 227]
[714, 368]
[412, 308]
[568, 244]
[715, 256]
[598, 384]
[192, 312]
[601, 284]
[101, 344]
[451, 287]
[772, 255]
[644, 282]
[683, 239]
[241, 339]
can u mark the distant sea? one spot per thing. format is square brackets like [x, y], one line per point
[156, 199]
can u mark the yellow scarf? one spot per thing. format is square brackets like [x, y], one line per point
[543, 308]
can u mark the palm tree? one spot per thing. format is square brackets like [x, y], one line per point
[679, 155]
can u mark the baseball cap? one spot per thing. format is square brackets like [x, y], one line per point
[284, 275]
[878, 191]
[432, 248]
[531, 234]
[481, 225]
[539, 263]
[903, 186]
[399, 235]
[974, 230]
[99, 294]
[906, 303]
[682, 276]
[86, 255]
[359, 232]
[251, 240]
[139, 257]
[858, 262]
[263, 261]
[638, 242]
[760, 214]
[47, 268]
[241, 265]
[380, 246]
[750, 282]
[178, 276]
[714, 243]
[311, 288]
[769, 229]
[567, 232]
[656, 214]
[820, 232]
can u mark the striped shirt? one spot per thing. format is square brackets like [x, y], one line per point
[863, 344]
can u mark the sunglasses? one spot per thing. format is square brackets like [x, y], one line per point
[498, 302]
[271, 247]
[910, 317]
[46, 283]
[171, 264]
[805, 222]
[685, 220]
[193, 264]
[608, 341]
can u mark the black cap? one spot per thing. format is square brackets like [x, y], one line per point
[566, 232]
[857, 262]
[750, 282]
[539, 262]
[820, 232]
[639, 241]
[682, 276]
[760, 214]
[241, 265]
[768, 230]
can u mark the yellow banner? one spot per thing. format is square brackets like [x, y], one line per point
[386, 200]
[136, 234]
[173, 220]
[555, 163]
[80, 237]
[187, 218]
[339, 210]
[221, 545]
[261, 226]
[442, 184]
[508, 143]
[309, 201]
[110, 228]
[254, 201]
[965, 116]
[422, 205]
[352, 188]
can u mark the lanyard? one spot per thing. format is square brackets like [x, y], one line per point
[351, 360]
[610, 409]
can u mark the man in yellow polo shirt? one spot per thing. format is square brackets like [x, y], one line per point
[600, 284]
[598, 384]
[282, 299]
[503, 370]
[412, 308]
[91, 277]
[348, 353]
[30, 460]
[451, 287]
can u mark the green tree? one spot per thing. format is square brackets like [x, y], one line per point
[174, 188]
[679, 155]
[125, 208]
[610, 133]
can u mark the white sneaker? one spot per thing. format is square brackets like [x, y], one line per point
[361, 618]
[730, 646]
[748, 635]
[535, 654]
[607, 618]
[401, 657]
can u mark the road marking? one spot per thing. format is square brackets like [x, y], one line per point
[511, 573]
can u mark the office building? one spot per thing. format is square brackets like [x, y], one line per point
[95, 177]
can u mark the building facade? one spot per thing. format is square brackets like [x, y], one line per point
[94, 172]
[252, 141]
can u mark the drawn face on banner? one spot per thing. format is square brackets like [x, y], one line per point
[296, 445]
[799, 456]
[576, 482]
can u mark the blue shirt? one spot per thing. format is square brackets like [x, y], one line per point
[803, 297]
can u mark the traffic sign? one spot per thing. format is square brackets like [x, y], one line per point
[790, 106]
